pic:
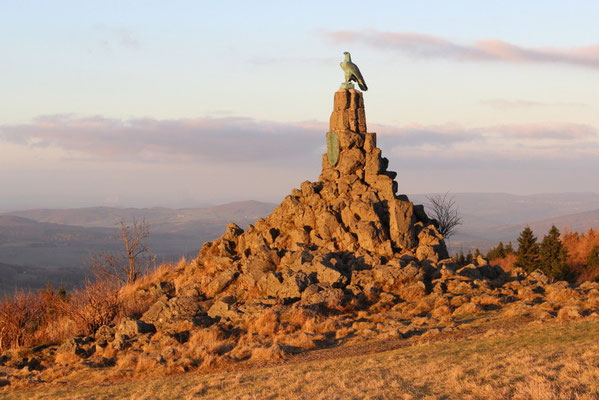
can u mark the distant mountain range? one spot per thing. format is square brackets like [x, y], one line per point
[483, 238]
[44, 243]
[53, 244]
[492, 217]
[31, 277]
[507, 209]
[161, 218]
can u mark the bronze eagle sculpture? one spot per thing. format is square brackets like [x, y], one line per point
[352, 72]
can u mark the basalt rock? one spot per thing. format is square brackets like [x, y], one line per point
[318, 232]
[345, 243]
[342, 259]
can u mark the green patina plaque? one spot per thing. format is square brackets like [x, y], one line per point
[333, 147]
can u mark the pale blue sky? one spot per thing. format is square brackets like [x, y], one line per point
[465, 95]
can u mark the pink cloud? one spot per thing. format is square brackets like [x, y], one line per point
[428, 46]
[505, 104]
[553, 131]
[234, 140]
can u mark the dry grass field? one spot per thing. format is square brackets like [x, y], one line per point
[535, 361]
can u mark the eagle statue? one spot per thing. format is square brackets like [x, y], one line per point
[352, 72]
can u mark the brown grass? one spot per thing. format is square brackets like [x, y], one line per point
[49, 316]
[133, 302]
[270, 353]
[266, 324]
[66, 358]
[164, 272]
[506, 263]
[548, 361]
[206, 337]
[127, 361]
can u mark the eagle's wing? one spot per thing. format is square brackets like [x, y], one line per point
[355, 71]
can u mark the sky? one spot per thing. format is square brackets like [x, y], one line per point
[189, 103]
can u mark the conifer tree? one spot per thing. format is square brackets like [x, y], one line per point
[509, 249]
[496, 252]
[593, 257]
[553, 256]
[460, 259]
[500, 250]
[528, 251]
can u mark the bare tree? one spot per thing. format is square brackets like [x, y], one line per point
[445, 211]
[133, 264]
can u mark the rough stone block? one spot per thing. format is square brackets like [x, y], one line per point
[370, 142]
[401, 224]
[350, 161]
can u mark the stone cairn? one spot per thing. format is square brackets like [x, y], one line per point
[346, 250]
[322, 235]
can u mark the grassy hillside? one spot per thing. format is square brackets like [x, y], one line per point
[537, 361]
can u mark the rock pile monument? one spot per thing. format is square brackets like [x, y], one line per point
[325, 233]
[340, 260]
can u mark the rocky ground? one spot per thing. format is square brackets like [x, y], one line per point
[183, 333]
[504, 359]
[341, 261]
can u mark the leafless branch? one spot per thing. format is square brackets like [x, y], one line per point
[445, 211]
[135, 261]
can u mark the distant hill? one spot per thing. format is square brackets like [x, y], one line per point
[44, 243]
[51, 240]
[13, 227]
[484, 238]
[506, 209]
[579, 222]
[27, 277]
[160, 218]
[24, 241]
[492, 217]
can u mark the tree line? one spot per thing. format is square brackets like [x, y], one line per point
[571, 256]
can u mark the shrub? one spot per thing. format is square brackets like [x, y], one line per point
[53, 326]
[580, 247]
[93, 306]
[50, 315]
[20, 317]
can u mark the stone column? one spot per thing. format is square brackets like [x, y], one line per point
[360, 158]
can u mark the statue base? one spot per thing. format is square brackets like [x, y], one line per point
[347, 85]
